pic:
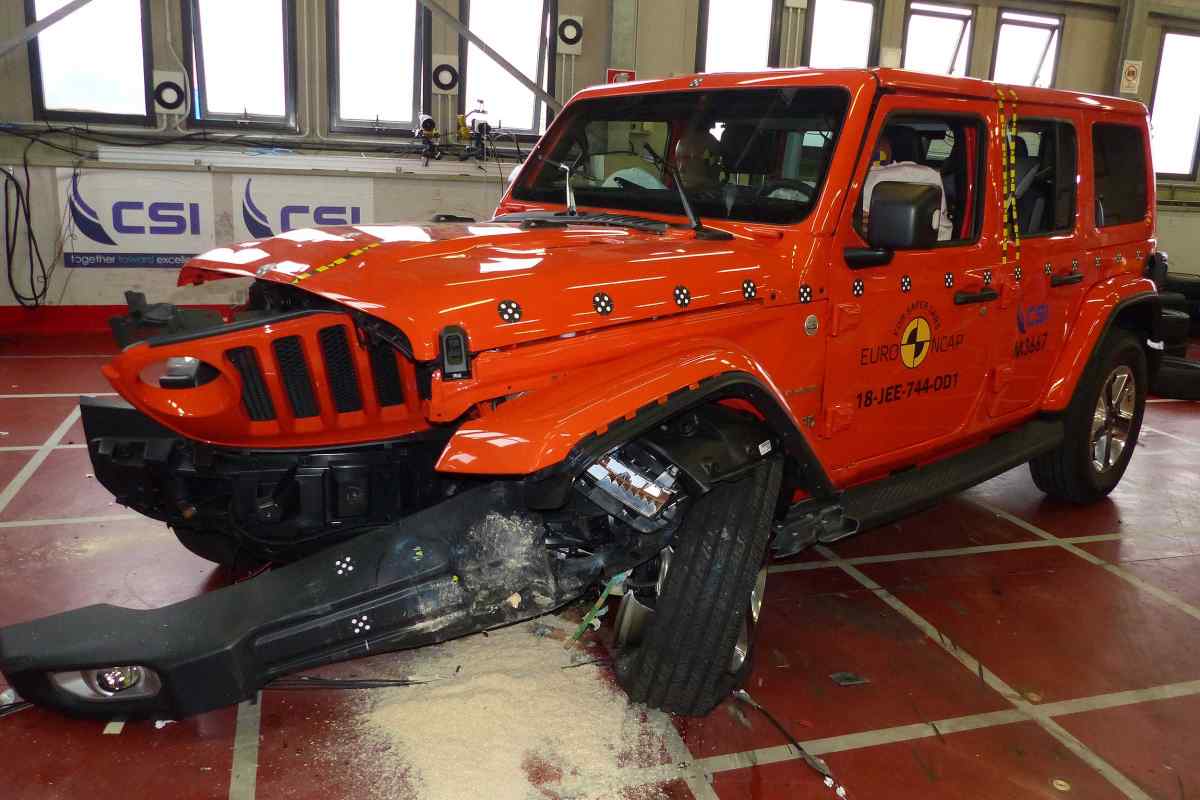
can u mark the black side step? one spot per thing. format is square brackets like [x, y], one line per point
[885, 500]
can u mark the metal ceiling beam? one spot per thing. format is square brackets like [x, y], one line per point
[465, 32]
[39, 26]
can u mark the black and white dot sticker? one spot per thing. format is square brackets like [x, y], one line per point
[857, 288]
[749, 290]
[602, 303]
[805, 293]
[905, 284]
[949, 280]
[360, 624]
[1048, 269]
[682, 296]
[1017, 274]
[344, 565]
[510, 310]
[987, 277]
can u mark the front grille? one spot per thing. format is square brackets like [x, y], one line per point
[339, 368]
[255, 397]
[297, 382]
[389, 389]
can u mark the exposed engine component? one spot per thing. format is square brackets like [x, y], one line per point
[634, 485]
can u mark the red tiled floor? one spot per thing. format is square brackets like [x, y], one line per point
[950, 524]
[30, 422]
[52, 375]
[1153, 744]
[820, 622]
[62, 487]
[10, 465]
[77, 344]
[1003, 763]
[1049, 622]
[1180, 575]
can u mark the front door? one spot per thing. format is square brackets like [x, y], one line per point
[910, 340]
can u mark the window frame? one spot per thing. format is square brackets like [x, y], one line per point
[1173, 176]
[1000, 23]
[422, 64]
[773, 46]
[547, 48]
[1075, 216]
[971, 21]
[37, 89]
[193, 58]
[876, 33]
[982, 166]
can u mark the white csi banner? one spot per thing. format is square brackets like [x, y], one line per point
[268, 205]
[135, 218]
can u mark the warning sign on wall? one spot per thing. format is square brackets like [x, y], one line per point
[1131, 77]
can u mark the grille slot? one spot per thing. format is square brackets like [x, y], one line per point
[339, 367]
[297, 382]
[255, 397]
[389, 389]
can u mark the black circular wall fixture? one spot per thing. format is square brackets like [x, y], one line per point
[169, 95]
[445, 77]
[570, 31]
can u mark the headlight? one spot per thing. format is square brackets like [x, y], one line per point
[635, 485]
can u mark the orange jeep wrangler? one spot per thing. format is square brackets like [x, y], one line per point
[713, 318]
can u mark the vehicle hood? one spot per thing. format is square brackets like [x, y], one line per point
[505, 284]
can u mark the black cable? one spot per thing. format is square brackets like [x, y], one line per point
[19, 204]
[310, 682]
[817, 764]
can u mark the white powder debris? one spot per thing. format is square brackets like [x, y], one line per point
[510, 723]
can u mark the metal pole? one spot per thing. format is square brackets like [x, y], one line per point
[465, 32]
[41, 25]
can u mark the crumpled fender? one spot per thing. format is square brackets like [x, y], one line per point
[1096, 313]
[539, 429]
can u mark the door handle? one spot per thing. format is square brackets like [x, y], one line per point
[982, 296]
[1066, 278]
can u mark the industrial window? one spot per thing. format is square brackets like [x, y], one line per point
[1175, 121]
[938, 38]
[516, 30]
[842, 33]
[738, 35]
[946, 152]
[242, 62]
[72, 82]
[1045, 164]
[1026, 50]
[1119, 157]
[367, 41]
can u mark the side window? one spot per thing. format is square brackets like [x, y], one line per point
[944, 152]
[1045, 176]
[1119, 156]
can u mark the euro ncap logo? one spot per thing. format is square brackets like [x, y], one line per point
[256, 221]
[85, 217]
[914, 342]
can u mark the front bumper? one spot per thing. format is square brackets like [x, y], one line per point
[473, 562]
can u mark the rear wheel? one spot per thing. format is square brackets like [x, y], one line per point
[1102, 425]
[685, 632]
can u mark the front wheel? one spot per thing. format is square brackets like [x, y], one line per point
[1102, 425]
[685, 631]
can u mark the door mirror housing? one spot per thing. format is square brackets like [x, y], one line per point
[902, 216]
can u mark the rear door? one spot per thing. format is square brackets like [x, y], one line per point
[910, 340]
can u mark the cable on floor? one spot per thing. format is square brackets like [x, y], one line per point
[817, 763]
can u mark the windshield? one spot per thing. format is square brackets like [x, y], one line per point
[744, 154]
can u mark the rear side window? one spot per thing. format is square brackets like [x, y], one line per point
[1120, 174]
[1044, 160]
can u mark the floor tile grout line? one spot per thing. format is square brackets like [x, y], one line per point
[1176, 437]
[1170, 598]
[47, 522]
[685, 766]
[993, 681]
[52, 395]
[917, 555]
[25, 448]
[243, 776]
[26, 472]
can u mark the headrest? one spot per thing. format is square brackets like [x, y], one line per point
[744, 149]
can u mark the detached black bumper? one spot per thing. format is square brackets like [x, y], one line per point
[470, 563]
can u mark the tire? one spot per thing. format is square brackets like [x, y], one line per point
[1177, 379]
[685, 660]
[1071, 471]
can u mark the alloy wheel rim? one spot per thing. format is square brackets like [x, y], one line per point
[1112, 421]
[741, 649]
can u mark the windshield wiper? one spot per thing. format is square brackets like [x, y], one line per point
[568, 170]
[702, 231]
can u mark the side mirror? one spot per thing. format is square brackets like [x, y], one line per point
[902, 216]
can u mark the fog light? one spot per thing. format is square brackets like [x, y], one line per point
[186, 372]
[109, 683]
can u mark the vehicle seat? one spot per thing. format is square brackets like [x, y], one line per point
[745, 149]
[1031, 202]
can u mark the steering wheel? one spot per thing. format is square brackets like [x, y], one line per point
[805, 190]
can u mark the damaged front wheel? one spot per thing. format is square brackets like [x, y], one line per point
[685, 643]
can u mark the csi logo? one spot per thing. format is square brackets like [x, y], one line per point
[293, 216]
[158, 218]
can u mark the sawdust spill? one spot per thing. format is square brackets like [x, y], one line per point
[506, 721]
